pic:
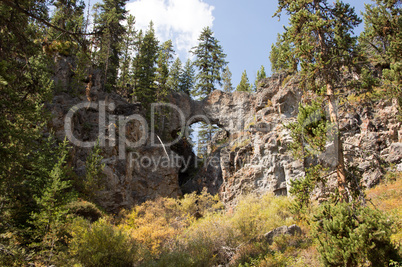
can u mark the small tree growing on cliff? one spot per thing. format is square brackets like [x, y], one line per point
[320, 35]
[244, 85]
[227, 80]
[260, 75]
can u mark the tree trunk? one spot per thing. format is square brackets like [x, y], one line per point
[338, 147]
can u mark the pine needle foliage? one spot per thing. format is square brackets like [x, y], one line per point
[244, 85]
[350, 234]
[210, 62]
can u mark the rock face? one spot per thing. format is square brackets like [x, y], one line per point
[254, 158]
[132, 175]
[250, 155]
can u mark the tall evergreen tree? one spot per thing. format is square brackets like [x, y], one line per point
[227, 80]
[69, 16]
[320, 35]
[210, 61]
[145, 67]
[25, 84]
[164, 60]
[108, 22]
[68, 39]
[244, 84]
[187, 78]
[175, 73]
[125, 80]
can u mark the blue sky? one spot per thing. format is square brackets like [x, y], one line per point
[245, 29]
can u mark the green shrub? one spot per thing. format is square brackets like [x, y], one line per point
[172, 259]
[101, 244]
[14, 255]
[353, 235]
[85, 209]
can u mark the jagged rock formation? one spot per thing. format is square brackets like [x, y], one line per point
[250, 155]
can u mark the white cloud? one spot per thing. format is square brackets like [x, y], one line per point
[179, 20]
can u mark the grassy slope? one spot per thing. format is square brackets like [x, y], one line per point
[387, 197]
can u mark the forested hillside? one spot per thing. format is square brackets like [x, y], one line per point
[50, 210]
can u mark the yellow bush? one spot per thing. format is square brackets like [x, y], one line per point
[194, 231]
[202, 204]
[206, 239]
[155, 223]
[101, 244]
[258, 215]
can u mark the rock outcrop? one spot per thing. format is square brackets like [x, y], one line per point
[282, 230]
[250, 155]
[254, 157]
[132, 175]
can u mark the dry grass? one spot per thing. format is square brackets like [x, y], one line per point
[387, 197]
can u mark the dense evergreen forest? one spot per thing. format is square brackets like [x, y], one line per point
[49, 215]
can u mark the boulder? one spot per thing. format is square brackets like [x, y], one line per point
[282, 230]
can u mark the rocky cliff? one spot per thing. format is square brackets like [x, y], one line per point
[250, 153]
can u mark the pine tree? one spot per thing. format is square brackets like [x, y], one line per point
[164, 60]
[210, 61]
[205, 134]
[350, 234]
[320, 35]
[227, 80]
[68, 39]
[25, 85]
[108, 22]
[93, 173]
[49, 221]
[260, 75]
[309, 134]
[175, 73]
[244, 85]
[282, 56]
[187, 78]
[68, 16]
[125, 80]
[381, 41]
[145, 68]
